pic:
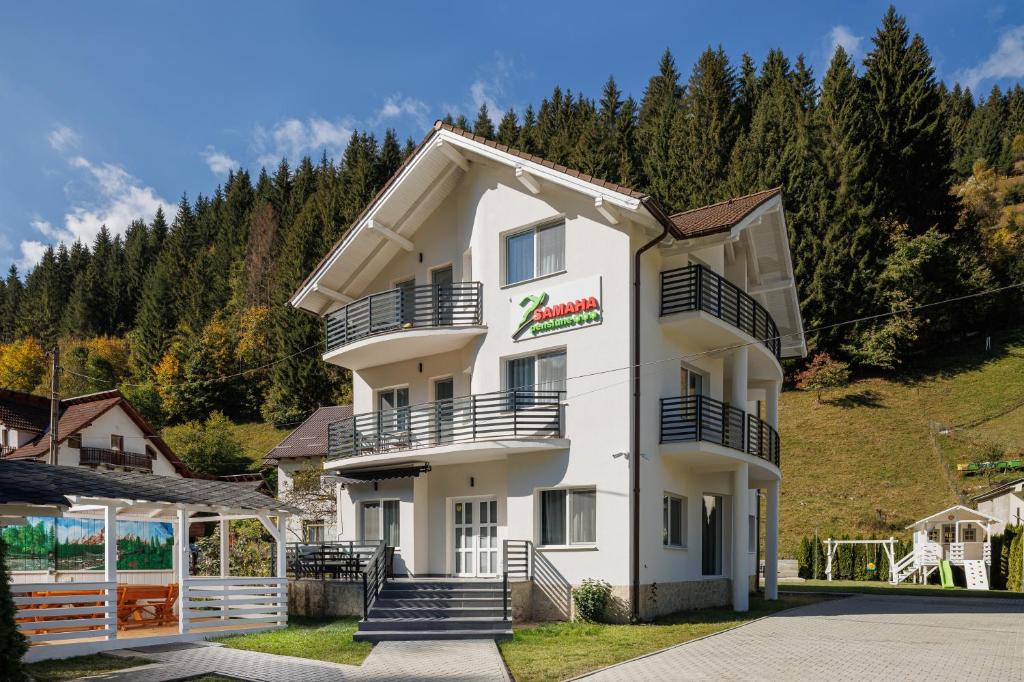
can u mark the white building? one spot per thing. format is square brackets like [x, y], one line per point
[1004, 501]
[100, 430]
[304, 449]
[484, 302]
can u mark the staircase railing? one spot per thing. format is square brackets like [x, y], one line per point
[375, 576]
[896, 576]
[517, 562]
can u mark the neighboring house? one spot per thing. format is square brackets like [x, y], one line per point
[305, 448]
[100, 430]
[484, 302]
[1004, 501]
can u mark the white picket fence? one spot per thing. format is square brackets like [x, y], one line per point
[217, 604]
[55, 612]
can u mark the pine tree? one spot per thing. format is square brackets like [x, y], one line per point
[711, 128]
[659, 134]
[527, 141]
[508, 128]
[914, 153]
[483, 125]
[985, 132]
[746, 93]
[958, 105]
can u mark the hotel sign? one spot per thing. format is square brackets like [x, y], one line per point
[557, 308]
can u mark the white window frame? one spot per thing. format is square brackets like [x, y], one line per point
[534, 228]
[117, 442]
[705, 378]
[360, 509]
[75, 438]
[536, 355]
[539, 529]
[969, 527]
[666, 531]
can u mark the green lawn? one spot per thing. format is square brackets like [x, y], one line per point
[82, 666]
[557, 651]
[865, 461]
[319, 639]
[878, 587]
[257, 438]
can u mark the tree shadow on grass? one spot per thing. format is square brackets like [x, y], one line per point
[865, 398]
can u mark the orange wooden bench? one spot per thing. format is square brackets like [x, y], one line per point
[146, 605]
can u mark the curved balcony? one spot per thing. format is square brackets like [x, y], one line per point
[404, 323]
[493, 423]
[698, 418]
[696, 288]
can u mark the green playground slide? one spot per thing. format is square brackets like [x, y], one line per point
[946, 573]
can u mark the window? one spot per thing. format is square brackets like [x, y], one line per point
[673, 531]
[393, 409]
[75, 441]
[692, 381]
[751, 533]
[6, 436]
[379, 521]
[313, 531]
[151, 452]
[534, 253]
[116, 442]
[568, 517]
[543, 372]
[711, 535]
[948, 533]
[933, 534]
[969, 533]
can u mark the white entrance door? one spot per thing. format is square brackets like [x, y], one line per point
[475, 537]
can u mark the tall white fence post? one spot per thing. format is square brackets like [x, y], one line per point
[110, 564]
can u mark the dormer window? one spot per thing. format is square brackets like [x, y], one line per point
[75, 441]
[116, 442]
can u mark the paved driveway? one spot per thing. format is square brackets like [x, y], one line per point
[855, 638]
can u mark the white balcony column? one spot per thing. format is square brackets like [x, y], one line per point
[282, 547]
[771, 404]
[184, 555]
[771, 542]
[738, 378]
[110, 565]
[740, 555]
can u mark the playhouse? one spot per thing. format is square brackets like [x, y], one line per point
[957, 536]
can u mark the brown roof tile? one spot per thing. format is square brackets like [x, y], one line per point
[24, 411]
[720, 217]
[310, 439]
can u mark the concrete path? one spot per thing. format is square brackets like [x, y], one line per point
[429, 660]
[854, 638]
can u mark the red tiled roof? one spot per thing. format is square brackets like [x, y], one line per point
[310, 439]
[79, 412]
[720, 217]
[24, 411]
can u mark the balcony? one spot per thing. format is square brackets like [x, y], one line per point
[7, 450]
[698, 418]
[404, 323]
[494, 423]
[696, 288]
[116, 458]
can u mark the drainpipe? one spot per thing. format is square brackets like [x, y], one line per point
[634, 588]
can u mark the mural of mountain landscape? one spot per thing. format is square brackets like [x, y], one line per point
[77, 544]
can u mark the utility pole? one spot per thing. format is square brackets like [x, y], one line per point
[54, 401]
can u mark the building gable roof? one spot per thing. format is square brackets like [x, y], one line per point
[998, 490]
[24, 411]
[78, 412]
[955, 510]
[309, 439]
[720, 217]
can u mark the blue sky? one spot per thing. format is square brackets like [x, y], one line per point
[108, 110]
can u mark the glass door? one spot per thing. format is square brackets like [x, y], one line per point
[406, 302]
[476, 538]
[444, 404]
[443, 304]
[711, 535]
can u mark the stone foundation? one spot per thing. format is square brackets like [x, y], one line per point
[324, 598]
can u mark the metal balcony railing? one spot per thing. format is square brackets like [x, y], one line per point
[431, 305]
[699, 418]
[117, 458]
[487, 416]
[695, 287]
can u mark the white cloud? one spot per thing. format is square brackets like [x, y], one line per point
[118, 199]
[219, 163]
[397, 106]
[1007, 61]
[31, 254]
[842, 36]
[293, 139]
[63, 138]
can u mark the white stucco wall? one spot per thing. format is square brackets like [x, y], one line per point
[97, 435]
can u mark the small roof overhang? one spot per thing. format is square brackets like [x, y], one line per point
[960, 513]
[380, 474]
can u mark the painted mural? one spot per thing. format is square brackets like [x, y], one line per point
[77, 545]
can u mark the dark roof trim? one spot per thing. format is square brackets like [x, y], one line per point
[373, 475]
[998, 490]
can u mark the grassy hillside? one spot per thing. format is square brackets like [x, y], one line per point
[873, 457]
[257, 438]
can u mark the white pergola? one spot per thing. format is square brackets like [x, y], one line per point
[72, 618]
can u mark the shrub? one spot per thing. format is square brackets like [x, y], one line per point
[1014, 577]
[12, 643]
[591, 598]
[211, 448]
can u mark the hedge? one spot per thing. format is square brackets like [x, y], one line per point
[12, 643]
